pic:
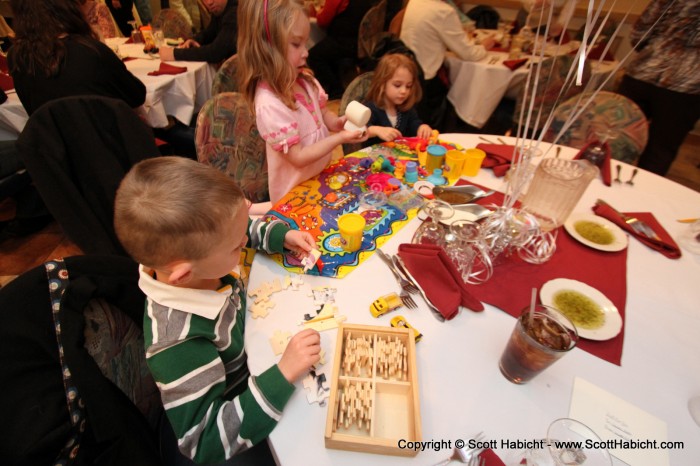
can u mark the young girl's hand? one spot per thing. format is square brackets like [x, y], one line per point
[424, 131]
[299, 242]
[353, 137]
[338, 124]
[386, 133]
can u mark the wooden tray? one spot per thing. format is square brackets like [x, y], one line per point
[374, 391]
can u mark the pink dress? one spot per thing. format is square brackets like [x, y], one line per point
[281, 128]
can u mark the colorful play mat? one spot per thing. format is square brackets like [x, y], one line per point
[316, 205]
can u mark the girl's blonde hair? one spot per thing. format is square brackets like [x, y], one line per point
[265, 59]
[174, 208]
[385, 71]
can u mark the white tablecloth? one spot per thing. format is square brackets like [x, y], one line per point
[462, 391]
[179, 95]
[477, 87]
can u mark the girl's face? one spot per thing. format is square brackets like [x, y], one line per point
[296, 43]
[399, 87]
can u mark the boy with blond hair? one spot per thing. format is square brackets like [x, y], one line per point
[186, 224]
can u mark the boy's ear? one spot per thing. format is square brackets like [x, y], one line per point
[181, 273]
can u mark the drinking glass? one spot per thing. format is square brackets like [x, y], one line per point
[432, 232]
[555, 453]
[598, 138]
[464, 244]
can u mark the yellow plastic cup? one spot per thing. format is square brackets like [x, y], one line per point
[472, 162]
[454, 164]
[351, 228]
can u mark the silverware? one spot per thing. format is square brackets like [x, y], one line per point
[407, 300]
[556, 156]
[637, 225]
[502, 141]
[460, 195]
[630, 181]
[617, 178]
[405, 285]
[399, 264]
[486, 140]
[463, 455]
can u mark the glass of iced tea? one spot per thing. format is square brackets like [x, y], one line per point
[541, 336]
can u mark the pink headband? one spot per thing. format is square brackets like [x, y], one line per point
[267, 24]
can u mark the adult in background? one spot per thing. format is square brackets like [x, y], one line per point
[337, 52]
[214, 44]
[430, 28]
[57, 54]
[663, 77]
[121, 11]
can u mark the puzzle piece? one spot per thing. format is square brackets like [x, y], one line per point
[261, 309]
[297, 281]
[279, 341]
[310, 259]
[317, 388]
[322, 358]
[323, 294]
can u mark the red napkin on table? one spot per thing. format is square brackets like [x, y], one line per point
[438, 277]
[605, 166]
[6, 82]
[165, 68]
[665, 245]
[515, 64]
[498, 157]
[511, 285]
[491, 458]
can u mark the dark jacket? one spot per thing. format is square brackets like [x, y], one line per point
[89, 69]
[36, 422]
[218, 41]
[407, 122]
[77, 150]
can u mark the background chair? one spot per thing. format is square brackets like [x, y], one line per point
[371, 26]
[630, 128]
[225, 78]
[226, 138]
[356, 90]
[550, 82]
[173, 24]
[397, 22]
[77, 150]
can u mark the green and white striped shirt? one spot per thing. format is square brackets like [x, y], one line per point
[194, 349]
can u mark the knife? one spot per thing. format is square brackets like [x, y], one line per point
[398, 262]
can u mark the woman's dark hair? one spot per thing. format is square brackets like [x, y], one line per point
[39, 27]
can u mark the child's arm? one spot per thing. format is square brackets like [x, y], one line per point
[300, 157]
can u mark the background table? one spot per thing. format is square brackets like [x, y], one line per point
[462, 391]
[179, 95]
[477, 87]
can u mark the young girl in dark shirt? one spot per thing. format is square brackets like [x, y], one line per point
[394, 91]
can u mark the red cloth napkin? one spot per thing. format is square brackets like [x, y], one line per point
[605, 166]
[665, 245]
[6, 82]
[165, 68]
[438, 277]
[515, 64]
[3, 64]
[511, 285]
[491, 458]
[498, 157]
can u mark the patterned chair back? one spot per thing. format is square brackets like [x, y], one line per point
[552, 76]
[173, 24]
[356, 90]
[607, 109]
[226, 138]
[371, 26]
[225, 79]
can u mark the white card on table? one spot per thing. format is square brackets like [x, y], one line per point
[613, 418]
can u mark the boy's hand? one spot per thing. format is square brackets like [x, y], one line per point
[299, 242]
[424, 131]
[386, 133]
[302, 352]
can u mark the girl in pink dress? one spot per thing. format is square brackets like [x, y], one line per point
[290, 105]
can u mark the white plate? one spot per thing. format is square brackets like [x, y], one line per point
[613, 321]
[618, 244]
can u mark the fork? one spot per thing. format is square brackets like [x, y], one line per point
[464, 455]
[406, 286]
[407, 300]
[637, 225]
[477, 460]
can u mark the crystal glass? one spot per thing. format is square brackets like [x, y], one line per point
[599, 138]
[431, 232]
[569, 430]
